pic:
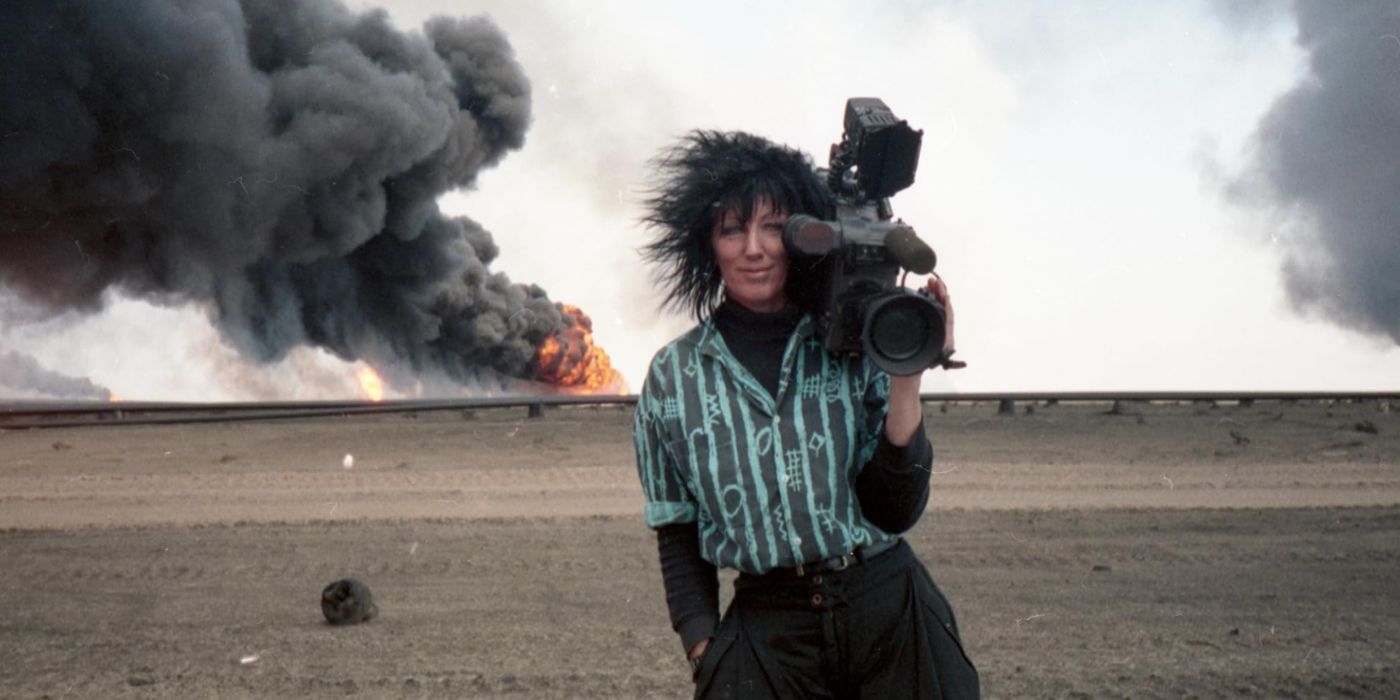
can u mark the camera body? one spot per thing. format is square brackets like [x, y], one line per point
[865, 308]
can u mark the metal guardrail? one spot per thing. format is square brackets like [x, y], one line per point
[24, 415]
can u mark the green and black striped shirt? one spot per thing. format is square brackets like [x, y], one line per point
[769, 481]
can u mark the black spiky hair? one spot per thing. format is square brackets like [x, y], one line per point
[704, 175]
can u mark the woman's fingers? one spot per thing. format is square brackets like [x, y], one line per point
[939, 289]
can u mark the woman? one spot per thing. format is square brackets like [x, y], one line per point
[760, 451]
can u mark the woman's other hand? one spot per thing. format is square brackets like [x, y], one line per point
[939, 289]
[905, 408]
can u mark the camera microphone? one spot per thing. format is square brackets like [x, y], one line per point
[912, 253]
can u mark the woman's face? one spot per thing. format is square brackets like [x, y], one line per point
[751, 257]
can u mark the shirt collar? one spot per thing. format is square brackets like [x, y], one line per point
[711, 342]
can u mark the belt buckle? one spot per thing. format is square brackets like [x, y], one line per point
[840, 563]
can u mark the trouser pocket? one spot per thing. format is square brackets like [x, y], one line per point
[956, 673]
[714, 654]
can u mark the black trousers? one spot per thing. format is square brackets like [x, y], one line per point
[878, 629]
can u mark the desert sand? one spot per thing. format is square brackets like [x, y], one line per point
[1180, 550]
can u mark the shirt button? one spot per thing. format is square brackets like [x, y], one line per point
[797, 541]
[816, 599]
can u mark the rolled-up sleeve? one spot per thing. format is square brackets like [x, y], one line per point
[668, 498]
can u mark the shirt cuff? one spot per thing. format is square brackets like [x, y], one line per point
[662, 513]
[917, 454]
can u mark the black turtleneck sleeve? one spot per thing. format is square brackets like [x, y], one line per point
[692, 584]
[893, 486]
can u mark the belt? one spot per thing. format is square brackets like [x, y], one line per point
[844, 561]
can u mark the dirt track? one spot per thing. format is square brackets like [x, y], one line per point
[1148, 555]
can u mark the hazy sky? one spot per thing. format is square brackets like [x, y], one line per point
[1074, 176]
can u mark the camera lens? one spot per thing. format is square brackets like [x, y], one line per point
[903, 332]
[898, 331]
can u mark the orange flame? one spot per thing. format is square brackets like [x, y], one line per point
[370, 383]
[113, 397]
[571, 360]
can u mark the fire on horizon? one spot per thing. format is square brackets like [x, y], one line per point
[278, 165]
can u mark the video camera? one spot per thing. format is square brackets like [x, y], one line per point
[866, 309]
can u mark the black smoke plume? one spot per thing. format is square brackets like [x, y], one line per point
[23, 375]
[1327, 163]
[276, 162]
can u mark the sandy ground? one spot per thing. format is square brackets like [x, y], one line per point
[1181, 550]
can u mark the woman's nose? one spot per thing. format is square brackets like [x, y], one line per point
[753, 245]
